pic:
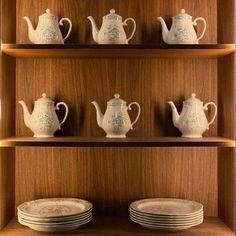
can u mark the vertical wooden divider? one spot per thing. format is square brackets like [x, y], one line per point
[7, 114]
[227, 115]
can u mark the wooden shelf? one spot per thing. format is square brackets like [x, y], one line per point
[122, 226]
[107, 142]
[119, 51]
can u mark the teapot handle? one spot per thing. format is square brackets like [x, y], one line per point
[134, 23]
[139, 112]
[70, 23]
[206, 108]
[66, 114]
[205, 25]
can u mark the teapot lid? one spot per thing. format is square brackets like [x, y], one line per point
[48, 14]
[112, 16]
[116, 101]
[193, 99]
[44, 99]
[183, 15]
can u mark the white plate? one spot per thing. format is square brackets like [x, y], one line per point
[55, 223]
[54, 219]
[54, 207]
[170, 223]
[167, 207]
[60, 228]
[166, 218]
[167, 228]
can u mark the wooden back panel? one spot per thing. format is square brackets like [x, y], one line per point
[148, 28]
[111, 178]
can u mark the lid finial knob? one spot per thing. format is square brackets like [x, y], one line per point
[193, 95]
[117, 95]
[48, 11]
[182, 11]
[112, 11]
[44, 95]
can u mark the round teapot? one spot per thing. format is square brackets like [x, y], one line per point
[192, 121]
[116, 121]
[182, 30]
[43, 121]
[112, 30]
[47, 31]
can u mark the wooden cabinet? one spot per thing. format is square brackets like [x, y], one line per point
[153, 161]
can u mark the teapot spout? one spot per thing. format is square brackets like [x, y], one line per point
[175, 114]
[95, 30]
[31, 31]
[27, 115]
[99, 113]
[165, 30]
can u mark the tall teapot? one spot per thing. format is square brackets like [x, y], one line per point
[112, 30]
[182, 30]
[192, 121]
[43, 121]
[47, 31]
[116, 121]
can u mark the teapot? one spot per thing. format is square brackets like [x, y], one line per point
[43, 121]
[47, 31]
[182, 30]
[112, 30]
[192, 121]
[116, 121]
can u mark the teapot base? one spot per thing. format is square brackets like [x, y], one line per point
[43, 136]
[191, 136]
[115, 136]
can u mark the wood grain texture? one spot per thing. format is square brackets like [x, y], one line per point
[118, 51]
[7, 114]
[121, 226]
[112, 178]
[76, 141]
[227, 158]
[148, 28]
[152, 83]
[227, 118]
[8, 21]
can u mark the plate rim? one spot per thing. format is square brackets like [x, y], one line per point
[134, 204]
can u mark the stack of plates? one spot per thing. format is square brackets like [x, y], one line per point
[55, 214]
[166, 213]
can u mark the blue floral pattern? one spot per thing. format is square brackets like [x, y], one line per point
[48, 34]
[117, 121]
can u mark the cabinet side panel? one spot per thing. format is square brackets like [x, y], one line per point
[227, 157]
[227, 114]
[7, 128]
[7, 113]
[8, 21]
[7, 185]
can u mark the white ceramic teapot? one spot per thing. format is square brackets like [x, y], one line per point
[43, 121]
[112, 30]
[47, 31]
[116, 122]
[182, 30]
[192, 121]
